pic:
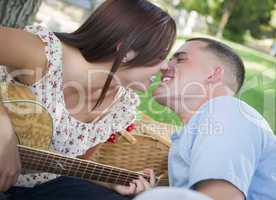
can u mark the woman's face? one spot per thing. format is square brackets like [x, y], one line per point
[139, 78]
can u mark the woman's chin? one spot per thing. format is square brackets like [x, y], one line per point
[141, 88]
[158, 91]
[156, 94]
[159, 95]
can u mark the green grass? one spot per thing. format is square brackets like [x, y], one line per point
[259, 89]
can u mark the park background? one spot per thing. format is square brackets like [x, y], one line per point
[248, 26]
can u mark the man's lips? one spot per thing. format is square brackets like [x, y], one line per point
[167, 75]
[166, 78]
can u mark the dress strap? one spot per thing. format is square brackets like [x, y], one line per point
[53, 49]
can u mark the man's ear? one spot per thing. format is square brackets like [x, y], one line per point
[216, 75]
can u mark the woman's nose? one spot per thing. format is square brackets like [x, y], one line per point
[164, 65]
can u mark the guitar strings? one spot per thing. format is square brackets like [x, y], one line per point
[102, 178]
[117, 179]
[74, 166]
[90, 176]
[101, 172]
[64, 158]
[78, 167]
[87, 162]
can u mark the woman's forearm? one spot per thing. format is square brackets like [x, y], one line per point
[5, 122]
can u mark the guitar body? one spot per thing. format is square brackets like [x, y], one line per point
[33, 125]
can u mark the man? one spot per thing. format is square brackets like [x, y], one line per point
[226, 149]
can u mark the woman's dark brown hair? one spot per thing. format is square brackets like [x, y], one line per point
[119, 26]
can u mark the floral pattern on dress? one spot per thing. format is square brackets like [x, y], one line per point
[70, 136]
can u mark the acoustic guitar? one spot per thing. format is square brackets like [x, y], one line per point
[33, 126]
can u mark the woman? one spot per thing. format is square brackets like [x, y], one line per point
[84, 79]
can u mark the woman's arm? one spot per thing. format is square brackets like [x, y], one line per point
[9, 157]
[22, 53]
[21, 50]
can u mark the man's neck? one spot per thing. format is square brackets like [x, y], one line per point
[194, 105]
[186, 114]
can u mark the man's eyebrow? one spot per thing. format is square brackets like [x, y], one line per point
[179, 54]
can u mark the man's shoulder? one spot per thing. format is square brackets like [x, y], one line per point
[233, 112]
[226, 102]
[228, 106]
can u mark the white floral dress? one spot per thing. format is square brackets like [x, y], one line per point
[70, 136]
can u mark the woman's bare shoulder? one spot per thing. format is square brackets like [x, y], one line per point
[20, 49]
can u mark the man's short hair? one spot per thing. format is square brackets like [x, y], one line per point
[226, 54]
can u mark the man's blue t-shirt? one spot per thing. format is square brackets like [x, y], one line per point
[226, 140]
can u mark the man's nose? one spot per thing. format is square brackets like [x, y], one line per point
[172, 64]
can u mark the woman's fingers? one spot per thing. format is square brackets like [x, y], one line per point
[5, 183]
[131, 189]
[139, 186]
[125, 190]
[151, 174]
[10, 181]
[152, 178]
[145, 183]
[2, 183]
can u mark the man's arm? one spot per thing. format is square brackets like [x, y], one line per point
[218, 190]
[224, 156]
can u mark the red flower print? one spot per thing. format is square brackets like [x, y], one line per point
[112, 139]
[130, 128]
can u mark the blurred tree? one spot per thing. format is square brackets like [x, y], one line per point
[250, 15]
[232, 18]
[18, 13]
[227, 11]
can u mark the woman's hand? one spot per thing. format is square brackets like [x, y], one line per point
[137, 186]
[10, 165]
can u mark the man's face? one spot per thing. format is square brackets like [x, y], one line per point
[186, 78]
